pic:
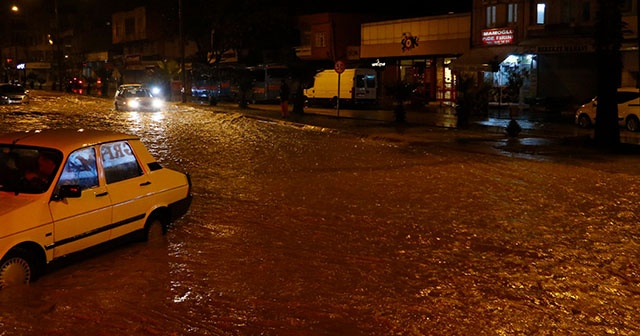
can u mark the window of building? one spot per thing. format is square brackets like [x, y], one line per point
[540, 12]
[491, 16]
[129, 27]
[305, 38]
[586, 11]
[512, 13]
[320, 40]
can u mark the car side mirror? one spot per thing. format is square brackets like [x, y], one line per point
[69, 191]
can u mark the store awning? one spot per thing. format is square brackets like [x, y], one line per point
[481, 59]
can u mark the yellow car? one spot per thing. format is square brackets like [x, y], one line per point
[63, 191]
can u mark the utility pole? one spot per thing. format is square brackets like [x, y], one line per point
[182, 70]
[58, 47]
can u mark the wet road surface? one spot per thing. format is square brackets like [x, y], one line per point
[306, 231]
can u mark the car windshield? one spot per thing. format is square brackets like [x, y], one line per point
[624, 96]
[27, 170]
[140, 93]
[12, 89]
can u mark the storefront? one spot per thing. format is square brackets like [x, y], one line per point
[417, 51]
[566, 68]
[551, 71]
[501, 64]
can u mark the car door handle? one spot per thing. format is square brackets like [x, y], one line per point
[145, 184]
[102, 194]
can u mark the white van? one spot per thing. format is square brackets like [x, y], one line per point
[357, 86]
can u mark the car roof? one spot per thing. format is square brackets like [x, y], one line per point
[11, 85]
[63, 139]
[132, 85]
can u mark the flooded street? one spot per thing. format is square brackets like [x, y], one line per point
[304, 231]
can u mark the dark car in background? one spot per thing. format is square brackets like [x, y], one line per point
[13, 94]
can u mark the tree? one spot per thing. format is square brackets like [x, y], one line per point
[249, 27]
[609, 66]
[515, 79]
[164, 73]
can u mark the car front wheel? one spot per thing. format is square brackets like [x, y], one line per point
[633, 124]
[584, 121]
[16, 268]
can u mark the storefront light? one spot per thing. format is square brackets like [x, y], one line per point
[511, 59]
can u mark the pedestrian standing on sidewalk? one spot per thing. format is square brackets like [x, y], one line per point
[284, 98]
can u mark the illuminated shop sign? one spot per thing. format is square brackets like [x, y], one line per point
[564, 48]
[378, 64]
[498, 36]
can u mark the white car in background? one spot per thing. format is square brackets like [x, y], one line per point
[136, 97]
[63, 191]
[628, 99]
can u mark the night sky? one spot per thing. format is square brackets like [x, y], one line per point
[402, 9]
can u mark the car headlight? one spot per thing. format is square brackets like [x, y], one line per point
[134, 104]
[155, 90]
[157, 103]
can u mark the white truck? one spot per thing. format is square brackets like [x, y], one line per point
[358, 86]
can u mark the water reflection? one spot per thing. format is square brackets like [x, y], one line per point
[294, 231]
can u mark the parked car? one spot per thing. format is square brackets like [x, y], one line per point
[136, 97]
[13, 94]
[628, 99]
[63, 191]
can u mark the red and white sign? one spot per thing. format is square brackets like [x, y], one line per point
[498, 36]
[339, 67]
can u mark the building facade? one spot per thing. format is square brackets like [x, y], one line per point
[418, 51]
[542, 51]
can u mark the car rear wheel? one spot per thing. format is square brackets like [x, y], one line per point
[16, 268]
[155, 231]
[632, 123]
[584, 121]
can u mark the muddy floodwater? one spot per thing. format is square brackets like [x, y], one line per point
[307, 231]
